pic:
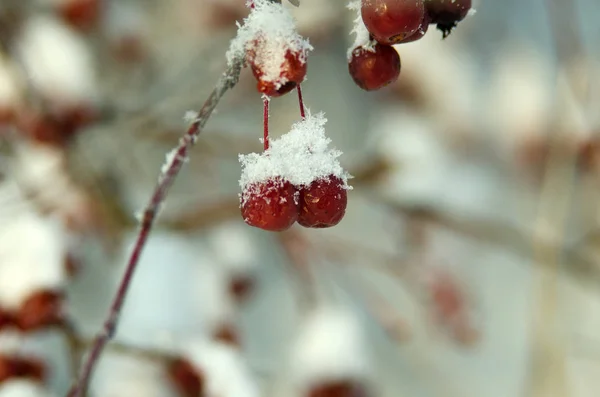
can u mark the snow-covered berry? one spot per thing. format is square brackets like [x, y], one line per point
[323, 203]
[270, 205]
[292, 70]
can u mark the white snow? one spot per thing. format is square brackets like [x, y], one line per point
[178, 289]
[10, 342]
[271, 26]
[190, 116]
[9, 89]
[32, 253]
[121, 375]
[330, 346]
[41, 169]
[57, 60]
[233, 246]
[170, 158]
[22, 388]
[301, 156]
[360, 30]
[226, 372]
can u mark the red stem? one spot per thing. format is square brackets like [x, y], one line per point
[228, 80]
[266, 123]
[301, 102]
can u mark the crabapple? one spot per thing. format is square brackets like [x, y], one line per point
[291, 73]
[391, 21]
[271, 205]
[241, 287]
[41, 309]
[339, 388]
[227, 334]
[21, 367]
[372, 70]
[420, 32]
[186, 378]
[81, 14]
[6, 319]
[323, 203]
[446, 14]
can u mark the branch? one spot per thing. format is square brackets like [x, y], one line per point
[174, 164]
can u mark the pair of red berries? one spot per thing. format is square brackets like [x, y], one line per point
[276, 204]
[401, 21]
[391, 22]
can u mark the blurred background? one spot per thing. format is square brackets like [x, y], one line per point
[467, 264]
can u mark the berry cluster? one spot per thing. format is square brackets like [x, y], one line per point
[373, 62]
[297, 179]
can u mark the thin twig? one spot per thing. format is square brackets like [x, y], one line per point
[175, 162]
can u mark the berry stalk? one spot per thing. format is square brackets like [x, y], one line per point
[301, 102]
[266, 101]
[227, 81]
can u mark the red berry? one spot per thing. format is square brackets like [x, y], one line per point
[588, 155]
[420, 31]
[81, 14]
[6, 319]
[227, 334]
[42, 309]
[391, 21]
[129, 49]
[447, 13]
[241, 286]
[58, 127]
[291, 72]
[21, 367]
[72, 264]
[186, 378]
[339, 388]
[270, 205]
[7, 116]
[372, 70]
[323, 203]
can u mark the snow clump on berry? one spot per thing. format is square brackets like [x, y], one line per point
[301, 156]
[274, 26]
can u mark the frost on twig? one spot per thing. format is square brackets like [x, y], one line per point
[166, 179]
